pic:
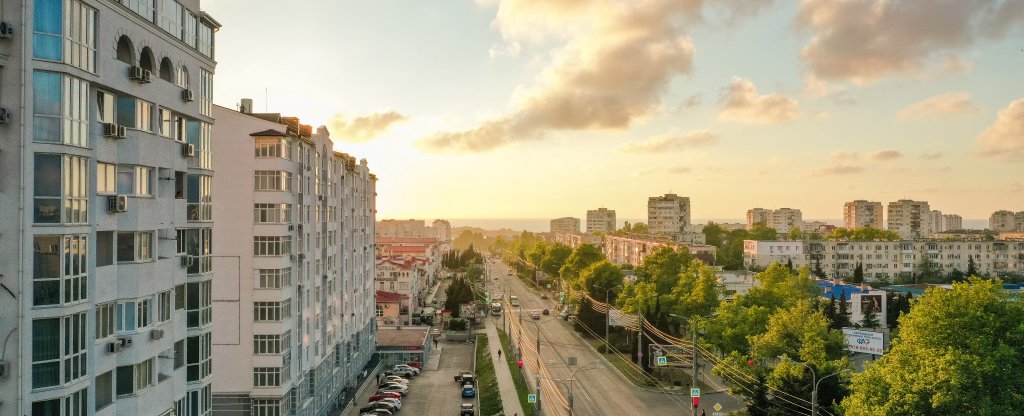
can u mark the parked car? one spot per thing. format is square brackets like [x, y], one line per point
[467, 409]
[386, 382]
[396, 388]
[403, 374]
[399, 379]
[406, 367]
[385, 395]
[468, 390]
[535, 315]
[546, 312]
[395, 402]
[543, 295]
[378, 405]
[377, 412]
[465, 377]
[415, 364]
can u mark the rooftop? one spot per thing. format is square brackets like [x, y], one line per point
[400, 336]
[388, 297]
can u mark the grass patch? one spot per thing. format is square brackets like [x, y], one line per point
[621, 363]
[487, 381]
[521, 390]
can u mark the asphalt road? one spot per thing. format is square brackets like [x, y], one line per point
[435, 393]
[597, 392]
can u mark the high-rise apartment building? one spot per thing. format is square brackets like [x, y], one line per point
[952, 222]
[401, 229]
[759, 216]
[105, 202]
[295, 254]
[601, 220]
[668, 214]
[861, 213]
[1004, 220]
[442, 230]
[935, 219]
[565, 225]
[782, 220]
[910, 219]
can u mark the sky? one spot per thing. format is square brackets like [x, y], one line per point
[547, 108]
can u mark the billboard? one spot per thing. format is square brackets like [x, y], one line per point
[864, 341]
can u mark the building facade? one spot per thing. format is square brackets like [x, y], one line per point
[601, 220]
[575, 240]
[668, 215]
[402, 228]
[1004, 220]
[935, 219]
[861, 213]
[296, 255]
[760, 216]
[782, 220]
[910, 219]
[404, 276]
[105, 207]
[952, 222]
[442, 230]
[565, 225]
[632, 249]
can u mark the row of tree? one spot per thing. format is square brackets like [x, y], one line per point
[461, 259]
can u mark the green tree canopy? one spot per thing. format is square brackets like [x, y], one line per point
[862, 234]
[581, 258]
[959, 352]
[554, 258]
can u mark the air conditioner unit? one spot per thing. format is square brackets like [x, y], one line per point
[122, 132]
[186, 95]
[114, 347]
[147, 76]
[188, 149]
[5, 115]
[117, 203]
[125, 342]
[156, 334]
[135, 73]
[6, 30]
[186, 261]
[110, 130]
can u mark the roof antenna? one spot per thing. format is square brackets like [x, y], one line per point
[266, 99]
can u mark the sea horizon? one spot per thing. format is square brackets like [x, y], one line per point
[539, 225]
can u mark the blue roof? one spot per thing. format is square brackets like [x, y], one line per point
[834, 291]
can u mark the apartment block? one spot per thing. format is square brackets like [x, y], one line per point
[952, 222]
[601, 220]
[910, 219]
[575, 240]
[1004, 220]
[105, 221]
[402, 228]
[403, 276]
[565, 225]
[295, 294]
[633, 249]
[861, 213]
[782, 219]
[935, 218]
[668, 215]
[442, 230]
[759, 216]
[889, 259]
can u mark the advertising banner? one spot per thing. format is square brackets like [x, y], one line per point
[864, 341]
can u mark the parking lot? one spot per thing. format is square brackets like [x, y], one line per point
[434, 392]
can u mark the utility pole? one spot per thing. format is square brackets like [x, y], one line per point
[538, 387]
[693, 345]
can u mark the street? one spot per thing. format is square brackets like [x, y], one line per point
[597, 391]
[433, 392]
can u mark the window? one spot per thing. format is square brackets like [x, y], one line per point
[198, 301]
[268, 407]
[59, 269]
[104, 386]
[134, 246]
[171, 17]
[197, 246]
[61, 109]
[380, 310]
[205, 41]
[179, 297]
[58, 350]
[271, 344]
[166, 126]
[144, 8]
[74, 404]
[182, 78]
[133, 315]
[266, 376]
[61, 190]
[195, 402]
[273, 213]
[47, 26]
[134, 180]
[273, 278]
[179, 354]
[106, 175]
[143, 116]
[163, 306]
[271, 311]
[271, 147]
[197, 357]
[205, 92]
[272, 245]
[273, 180]
[80, 40]
[200, 198]
[105, 106]
[104, 248]
[104, 320]
[132, 379]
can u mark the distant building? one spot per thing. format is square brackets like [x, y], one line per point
[634, 248]
[952, 222]
[392, 309]
[601, 220]
[1003, 220]
[820, 227]
[768, 252]
[758, 216]
[935, 218]
[668, 215]
[401, 228]
[565, 225]
[910, 219]
[575, 240]
[442, 230]
[861, 213]
[405, 276]
[782, 220]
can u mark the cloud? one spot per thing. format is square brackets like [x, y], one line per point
[815, 87]
[844, 169]
[670, 142]
[1004, 140]
[741, 103]
[884, 155]
[617, 61]
[939, 106]
[363, 128]
[932, 155]
[510, 49]
[840, 156]
[865, 40]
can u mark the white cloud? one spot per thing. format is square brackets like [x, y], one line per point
[509, 49]
[884, 155]
[836, 170]
[363, 128]
[670, 142]
[742, 103]
[939, 106]
[1004, 140]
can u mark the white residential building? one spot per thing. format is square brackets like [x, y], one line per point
[861, 213]
[782, 220]
[935, 219]
[402, 228]
[1004, 220]
[565, 225]
[952, 222]
[105, 208]
[910, 219]
[601, 220]
[668, 215]
[295, 252]
[760, 216]
[768, 252]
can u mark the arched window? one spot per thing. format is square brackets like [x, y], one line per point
[125, 50]
[182, 79]
[166, 70]
[146, 59]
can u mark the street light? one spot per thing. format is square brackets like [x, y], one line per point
[607, 314]
[814, 381]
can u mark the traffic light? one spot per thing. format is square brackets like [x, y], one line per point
[696, 402]
[520, 363]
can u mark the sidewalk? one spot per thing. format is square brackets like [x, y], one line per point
[509, 396]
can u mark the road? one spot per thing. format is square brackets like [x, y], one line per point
[600, 391]
[434, 392]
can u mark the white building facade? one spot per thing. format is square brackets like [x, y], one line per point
[601, 220]
[861, 213]
[952, 222]
[668, 215]
[1004, 220]
[296, 254]
[565, 225]
[105, 208]
[782, 220]
[442, 230]
[402, 228]
[910, 219]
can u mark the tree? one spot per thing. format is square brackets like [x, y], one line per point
[858, 274]
[870, 319]
[843, 314]
[789, 264]
[640, 228]
[862, 234]
[581, 258]
[696, 292]
[714, 234]
[972, 269]
[762, 232]
[554, 258]
[974, 342]
[662, 267]
[955, 275]
[595, 280]
[817, 268]
[795, 234]
[929, 271]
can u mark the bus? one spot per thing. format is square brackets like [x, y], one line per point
[495, 308]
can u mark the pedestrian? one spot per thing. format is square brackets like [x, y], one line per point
[499, 354]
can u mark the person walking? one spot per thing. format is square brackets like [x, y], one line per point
[499, 353]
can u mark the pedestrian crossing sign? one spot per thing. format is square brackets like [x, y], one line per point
[695, 392]
[662, 361]
[531, 398]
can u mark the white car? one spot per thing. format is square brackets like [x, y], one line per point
[406, 368]
[397, 388]
[397, 403]
[396, 379]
